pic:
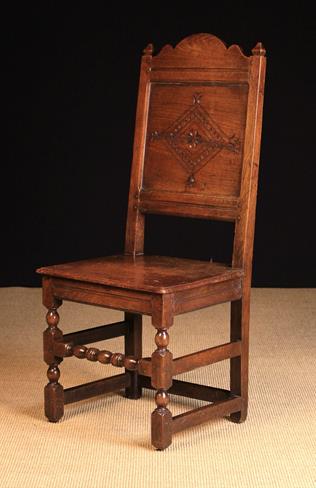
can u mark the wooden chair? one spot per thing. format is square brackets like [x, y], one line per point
[196, 154]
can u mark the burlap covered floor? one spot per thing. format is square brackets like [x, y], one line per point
[105, 442]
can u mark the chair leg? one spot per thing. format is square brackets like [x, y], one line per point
[53, 392]
[239, 365]
[161, 380]
[133, 347]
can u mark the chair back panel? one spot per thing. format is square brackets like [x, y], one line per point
[194, 144]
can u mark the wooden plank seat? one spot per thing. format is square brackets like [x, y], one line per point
[153, 274]
[196, 154]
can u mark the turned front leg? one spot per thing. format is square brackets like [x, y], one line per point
[161, 380]
[53, 392]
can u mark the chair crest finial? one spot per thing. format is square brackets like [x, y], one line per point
[149, 49]
[259, 50]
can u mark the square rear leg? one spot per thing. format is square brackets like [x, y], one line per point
[239, 366]
[133, 347]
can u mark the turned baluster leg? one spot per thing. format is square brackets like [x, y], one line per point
[239, 365]
[53, 392]
[161, 380]
[133, 347]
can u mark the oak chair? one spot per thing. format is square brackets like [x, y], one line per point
[196, 154]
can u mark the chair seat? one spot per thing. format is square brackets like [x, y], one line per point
[155, 274]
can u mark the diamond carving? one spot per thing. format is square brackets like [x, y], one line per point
[194, 138]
